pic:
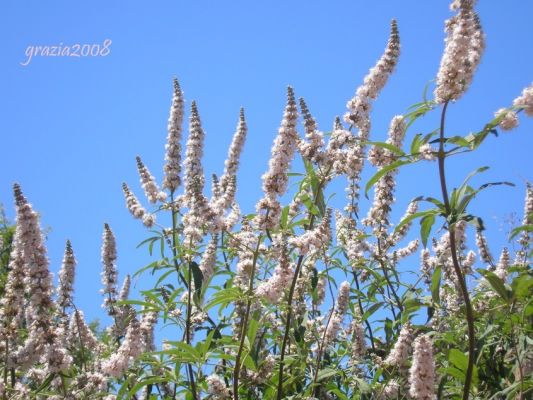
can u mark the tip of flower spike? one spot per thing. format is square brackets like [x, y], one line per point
[303, 106]
[337, 124]
[177, 87]
[19, 197]
[241, 114]
[394, 33]
[125, 187]
[68, 246]
[290, 95]
[106, 226]
[139, 162]
[194, 109]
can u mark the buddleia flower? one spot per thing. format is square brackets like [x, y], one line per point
[232, 161]
[422, 371]
[400, 352]
[275, 180]
[42, 342]
[66, 279]
[311, 148]
[464, 46]
[273, 288]
[525, 101]
[359, 106]
[502, 268]
[135, 207]
[172, 168]
[132, 346]
[109, 272]
[316, 238]
[151, 190]
[341, 306]
[508, 119]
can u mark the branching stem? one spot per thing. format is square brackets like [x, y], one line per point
[456, 266]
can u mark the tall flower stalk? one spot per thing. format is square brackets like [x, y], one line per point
[451, 220]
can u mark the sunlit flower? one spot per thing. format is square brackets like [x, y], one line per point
[422, 371]
[172, 167]
[464, 46]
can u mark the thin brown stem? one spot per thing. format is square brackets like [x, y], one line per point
[176, 266]
[362, 311]
[244, 327]
[319, 353]
[456, 266]
[290, 298]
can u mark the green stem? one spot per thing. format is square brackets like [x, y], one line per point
[176, 266]
[384, 267]
[244, 327]
[456, 266]
[319, 354]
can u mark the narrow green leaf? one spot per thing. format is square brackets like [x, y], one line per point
[284, 217]
[458, 359]
[326, 373]
[388, 146]
[371, 310]
[379, 174]
[426, 223]
[435, 284]
[414, 216]
[497, 284]
[197, 276]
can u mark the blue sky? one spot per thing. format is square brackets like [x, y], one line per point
[71, 127]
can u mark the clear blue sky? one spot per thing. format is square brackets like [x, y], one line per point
[71, 127]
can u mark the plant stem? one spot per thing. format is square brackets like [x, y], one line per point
[188, 332]
[291, 295]
[362, 311]
[319, 354]
[380, 258]
[453, 248]
[287, 328]
[176, 266]
[244, 327]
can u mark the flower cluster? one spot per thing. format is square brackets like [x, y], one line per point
[464, 46]
[374, 82]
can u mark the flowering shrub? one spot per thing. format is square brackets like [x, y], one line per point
[298, 300]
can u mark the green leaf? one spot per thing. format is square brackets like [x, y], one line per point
[456, 373]
[523, 228]
[435, 284]
[284, 217]
[522, 286]
[414, 216]
[426, 223]
[393, 149]
[224, 297]
[326, 373]
[145, 382]
[198, 277]
[380, 173]
[459, 359]
[252, 330]
[416, 143]
[371, 310]
[458, 140]
[497, 284]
